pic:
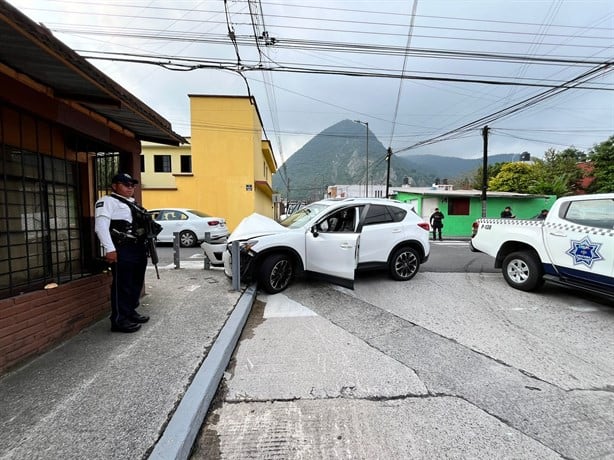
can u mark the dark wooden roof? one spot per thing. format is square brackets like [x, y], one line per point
[32, 50]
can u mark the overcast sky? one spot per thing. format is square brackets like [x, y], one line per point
[331, 60]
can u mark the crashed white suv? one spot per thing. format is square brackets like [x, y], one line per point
[331, 239]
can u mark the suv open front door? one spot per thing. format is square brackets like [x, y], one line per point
[331, 247]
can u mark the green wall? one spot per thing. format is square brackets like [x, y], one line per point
[460, 226]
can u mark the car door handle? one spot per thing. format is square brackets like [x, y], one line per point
[557, 234]
[346, 246]
[396, 230]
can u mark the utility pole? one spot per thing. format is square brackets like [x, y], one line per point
[484, 168]
[366, 123]
[388, 159]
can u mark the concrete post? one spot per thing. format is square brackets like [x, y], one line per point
[176, 249]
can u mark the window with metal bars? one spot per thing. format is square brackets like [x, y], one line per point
[162, 163]
[40, 228]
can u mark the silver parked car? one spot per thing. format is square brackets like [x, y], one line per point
[190, 224]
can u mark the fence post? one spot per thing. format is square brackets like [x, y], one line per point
[176, 258]
[236, 272]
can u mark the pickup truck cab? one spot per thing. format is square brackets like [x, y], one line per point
[573, 245]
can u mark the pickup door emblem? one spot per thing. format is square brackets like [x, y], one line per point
[584, 252]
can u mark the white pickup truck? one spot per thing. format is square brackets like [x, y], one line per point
[573, 245]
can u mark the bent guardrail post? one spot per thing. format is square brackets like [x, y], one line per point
[176, 258]
[207, 265]
[236, 271]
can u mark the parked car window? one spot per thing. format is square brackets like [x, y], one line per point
[378, 214]
[593, 213]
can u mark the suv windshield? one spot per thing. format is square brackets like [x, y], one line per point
[303, 215]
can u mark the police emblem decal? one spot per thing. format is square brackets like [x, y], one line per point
[584, 252]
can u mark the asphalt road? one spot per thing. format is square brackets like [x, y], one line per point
[452, 364]
[447, 365]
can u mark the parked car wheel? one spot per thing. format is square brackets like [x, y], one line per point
[276, 272]
[404, 264]
[187, 239]
[523, 271]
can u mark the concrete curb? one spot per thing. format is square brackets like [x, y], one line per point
[178, 438]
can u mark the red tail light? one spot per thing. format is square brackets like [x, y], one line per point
[424, 226]
[213, 223]
[474, 228]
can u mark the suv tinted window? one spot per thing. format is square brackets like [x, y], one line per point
[398, 214]
[378, 214]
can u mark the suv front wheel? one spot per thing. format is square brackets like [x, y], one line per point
[276, 272]
[404, 264]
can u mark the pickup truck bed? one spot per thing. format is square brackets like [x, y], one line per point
[573, 246]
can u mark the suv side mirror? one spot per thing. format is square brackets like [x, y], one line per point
[314, 231]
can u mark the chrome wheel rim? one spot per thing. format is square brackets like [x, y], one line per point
[281, 274]
[518, 271]
[406, 264]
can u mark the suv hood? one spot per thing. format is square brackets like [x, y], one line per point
[255, 225]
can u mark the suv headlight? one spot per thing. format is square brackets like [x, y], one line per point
[247, 246]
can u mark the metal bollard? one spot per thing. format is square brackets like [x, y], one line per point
[207, 261]
[236, 272]
[176, 249]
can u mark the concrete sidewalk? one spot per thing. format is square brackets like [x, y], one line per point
[105, 395]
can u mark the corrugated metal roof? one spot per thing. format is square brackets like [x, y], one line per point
[32, 50]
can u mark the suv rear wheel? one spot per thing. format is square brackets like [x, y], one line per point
[404, 264]
[276, 272]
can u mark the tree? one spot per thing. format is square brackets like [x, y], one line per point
[475, 181]
[513, 177]
[601, 157]
[562, 171]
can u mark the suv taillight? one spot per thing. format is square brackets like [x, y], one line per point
[474, 228]
[424, 226]
[213, 223]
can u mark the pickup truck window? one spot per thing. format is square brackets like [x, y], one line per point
[592, 213]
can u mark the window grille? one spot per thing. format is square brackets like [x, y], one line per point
[40, 225]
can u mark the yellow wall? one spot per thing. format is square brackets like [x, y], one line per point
[228, 158]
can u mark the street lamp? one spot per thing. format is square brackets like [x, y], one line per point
[366, 123]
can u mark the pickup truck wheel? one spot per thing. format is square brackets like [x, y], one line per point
[522, 270]
[404, 264]
[187, 239]
[276, 272]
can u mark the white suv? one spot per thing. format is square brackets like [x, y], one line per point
[331, 239]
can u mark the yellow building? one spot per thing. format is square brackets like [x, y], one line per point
[225, 171]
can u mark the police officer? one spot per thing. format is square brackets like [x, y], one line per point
[125, 250]
[437, 223]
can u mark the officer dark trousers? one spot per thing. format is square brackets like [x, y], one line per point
[128, 279]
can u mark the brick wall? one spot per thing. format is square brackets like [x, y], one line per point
[32, 323]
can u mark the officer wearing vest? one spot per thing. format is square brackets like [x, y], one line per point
[121, 234]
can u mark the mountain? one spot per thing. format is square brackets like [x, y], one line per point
[452, 167]
[338, 155]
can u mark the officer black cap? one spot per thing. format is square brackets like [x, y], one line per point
[123, 178]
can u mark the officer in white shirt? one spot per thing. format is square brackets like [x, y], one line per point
[124, 250]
